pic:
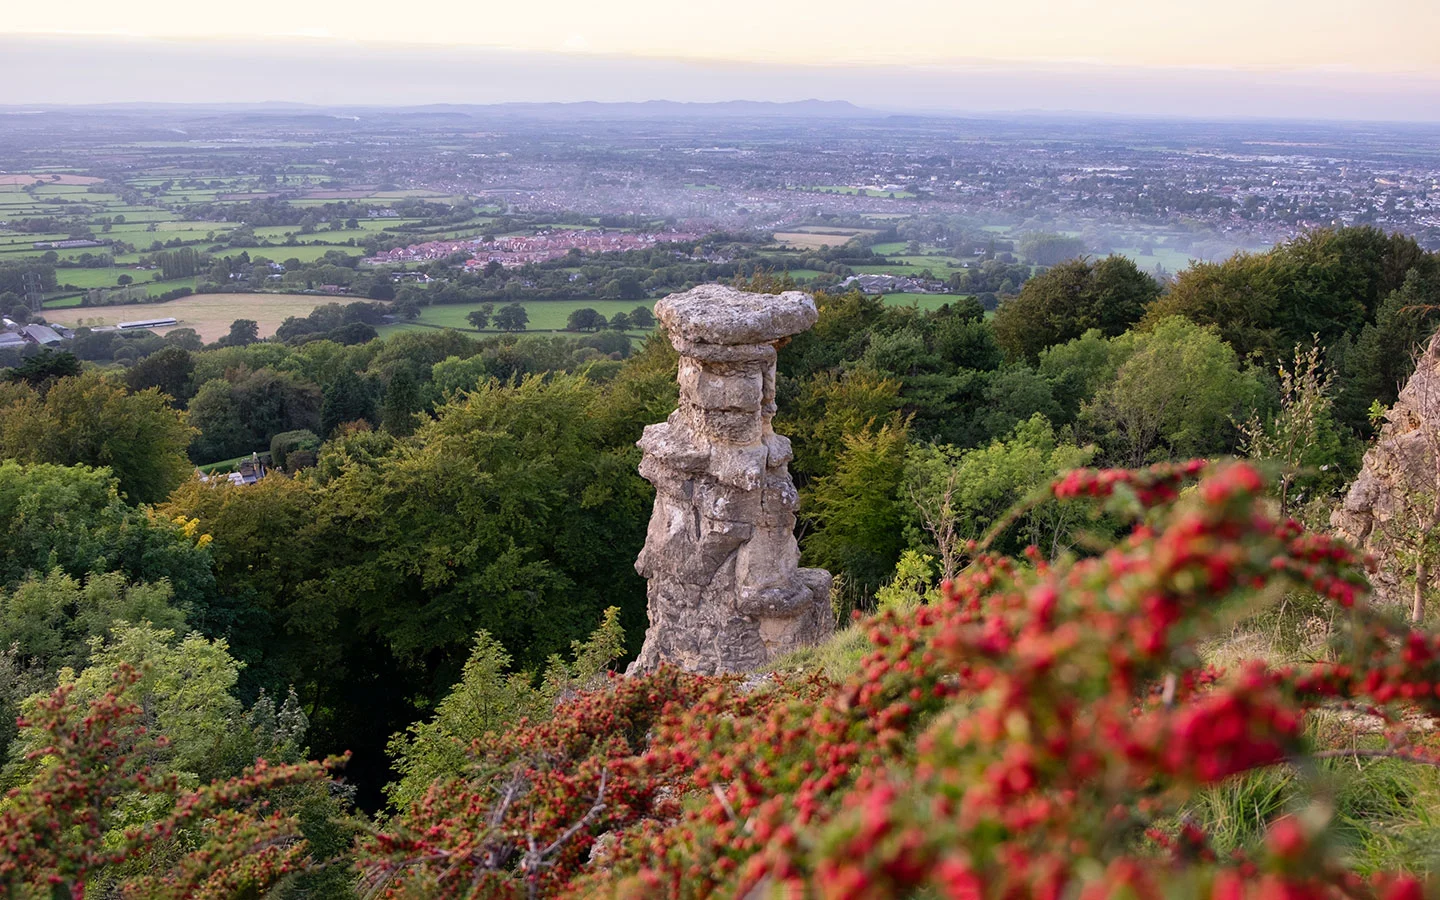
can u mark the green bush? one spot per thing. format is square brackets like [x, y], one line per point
[286, 443]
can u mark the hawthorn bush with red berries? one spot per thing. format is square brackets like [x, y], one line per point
[1045, 729]
[62, 832]
[1042, 731]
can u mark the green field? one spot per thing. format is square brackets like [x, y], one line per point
[922, 301]
[303, 252]
[97, 278]
[896, 269]
[366, 227]
[1173, 260]
[925, 261]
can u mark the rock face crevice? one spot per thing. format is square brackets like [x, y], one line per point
[725, 591]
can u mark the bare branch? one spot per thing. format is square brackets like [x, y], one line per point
[536, 859]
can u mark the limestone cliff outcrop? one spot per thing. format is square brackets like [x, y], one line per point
[725, 591]
[1393, 508]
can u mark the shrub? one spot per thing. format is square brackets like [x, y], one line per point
[1043, 728]
[286, 443]
[1038, 731]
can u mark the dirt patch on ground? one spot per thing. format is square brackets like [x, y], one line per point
[209, 314]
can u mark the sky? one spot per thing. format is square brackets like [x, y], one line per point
[1308, 58]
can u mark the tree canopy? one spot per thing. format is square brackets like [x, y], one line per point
[1071, 298]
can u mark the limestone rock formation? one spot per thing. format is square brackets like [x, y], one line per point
[1392, 510]
[725, 592]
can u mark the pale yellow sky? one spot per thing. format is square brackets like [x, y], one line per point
[1376, 36]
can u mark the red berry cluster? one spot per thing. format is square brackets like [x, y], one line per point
[1024, 736]
[526, 819]
[62, 831]
[1040, 731]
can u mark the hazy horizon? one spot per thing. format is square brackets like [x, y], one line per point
[80, 70]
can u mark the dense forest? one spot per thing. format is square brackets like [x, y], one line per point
[430, 585]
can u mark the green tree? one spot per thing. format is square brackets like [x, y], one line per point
[263, 549]
[912, 585]
[1076, 370]
[169, 371]
[17, 682]
[1326, 282]
[303, 443]
[1066, 301]
[454, 374]
[216, 415]
[51, 621]
[1301, 433]
[184, 338]
[72, 518]
[585, 319]
[856, 514]
[348, 398]
[401, 403]
[89, 419]
[479, 319]
[241, 415]
[641, 318]
[490, 697]
[1384, 353]
[185, 687]
[831, 407]
[242, 332]
[1044, 249]
[98, 809]
[182, 688]
[1176, 392]
[956, 496]
[45, 367]
[481, 524]
[512, 318]
[364, 582]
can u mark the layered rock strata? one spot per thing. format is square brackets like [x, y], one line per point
[1392, 510]
[725, 590]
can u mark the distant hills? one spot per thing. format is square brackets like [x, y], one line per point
[637, 110]
[671, 109]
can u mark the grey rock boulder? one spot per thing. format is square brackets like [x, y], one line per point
[725, 592]
[1394, 503]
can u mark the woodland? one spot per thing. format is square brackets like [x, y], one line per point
[1093, 636]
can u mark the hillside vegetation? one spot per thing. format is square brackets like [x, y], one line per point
[1080, 661]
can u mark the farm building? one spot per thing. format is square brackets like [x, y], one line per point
[40, 334]
[75, 244]
[146, 323]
